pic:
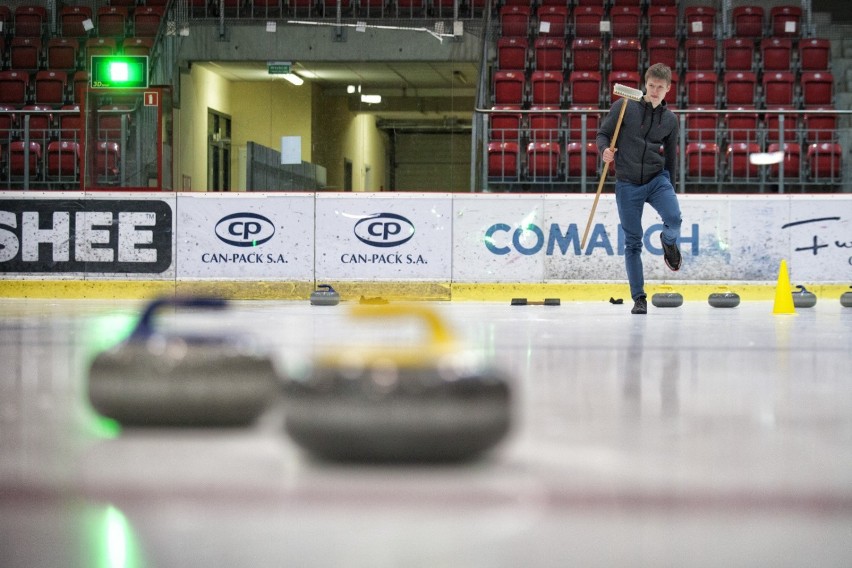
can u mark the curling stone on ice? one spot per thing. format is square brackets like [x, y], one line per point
[803, 298]
[667, 299]
[726, 299]
[158, 378]
[325, 295]
[846, 298]
[430, 402]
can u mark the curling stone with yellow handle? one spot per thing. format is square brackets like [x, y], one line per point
[431, 402]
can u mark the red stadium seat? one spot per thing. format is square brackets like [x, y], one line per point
[624, 54]
[747, 21]
[25, 53]
[14, 87]
[738, 54]
[30, 20]
[701, 88]
[70, 123]
[137, 45]
[819, 125]
[505, 126]
[21, 164]
[509, 87]
[575, 123]
[549, 54]
[740, 88]
[515, 21]
[587, 54]
[673, 96]
[110, 119]
[741, 124]
[545, 123]
[62, 53]
[700, 21]
[63, 161]
[99, 46]
[625, 21]
[791, 129]
[776, 54]
[552, 20]
[50, 87]
[71, 20]
[785, 21]
[738, 164]
[700, 54]
[815, 54]
[503, 161]
[546, 88]
[587, 21]
[824, 161]
[701, 126]
[662, 21]
[574, 151]
[107, 163]
[585, 87]
[817, 89]
[80, 81]
[792, 160]
[8, 124]
[779, 88]
[702, 160]
[112, 21]
[543, 161]
[663, 50]
[146, 20]
[512, 53]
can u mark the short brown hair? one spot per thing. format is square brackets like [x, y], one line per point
[659, 71]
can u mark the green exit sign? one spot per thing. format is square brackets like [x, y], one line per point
[119, 72]
[278, 67]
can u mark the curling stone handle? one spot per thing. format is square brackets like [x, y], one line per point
[325, 288]
[438, 329]
[145, 326]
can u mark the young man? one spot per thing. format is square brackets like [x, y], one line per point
[643, 174]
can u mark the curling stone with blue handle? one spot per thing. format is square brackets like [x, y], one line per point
[846, 299]
[803, 298]
[425, 403]
[725, 299]
[155, 378]
[325, 295]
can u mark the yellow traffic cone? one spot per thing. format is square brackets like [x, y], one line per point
[783, 293]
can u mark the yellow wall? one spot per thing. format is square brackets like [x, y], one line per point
[263, 112]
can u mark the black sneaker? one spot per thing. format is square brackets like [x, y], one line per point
[671, 254]
[640, 306]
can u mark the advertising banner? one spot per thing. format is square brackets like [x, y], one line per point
[238, 237]
[69, 234]
[384, 237]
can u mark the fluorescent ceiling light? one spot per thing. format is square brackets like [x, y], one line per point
[371, 99]
[293, 78]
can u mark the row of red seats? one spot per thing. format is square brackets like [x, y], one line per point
[546, 162]
[706, 89]
[42, 123]
[57, 163]
[46, 87]
[525, 18]
[622, 54]
[67, 53]
[77, 21]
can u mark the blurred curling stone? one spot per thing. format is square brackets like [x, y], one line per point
[803, 298]
[726, 299]
[846, 299]
[156, 378]
[667, 299]
[430, 402]
[325, 295]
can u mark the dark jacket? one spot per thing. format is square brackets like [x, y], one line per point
[643, 131]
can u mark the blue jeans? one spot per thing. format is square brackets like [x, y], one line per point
[631, 200]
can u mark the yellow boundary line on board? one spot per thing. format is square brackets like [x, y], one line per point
[294, 290]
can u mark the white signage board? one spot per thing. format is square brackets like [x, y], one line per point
[239, 237]
[381, 237]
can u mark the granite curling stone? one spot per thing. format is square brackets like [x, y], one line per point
[724, 299]
[325, 295]
[804, 298]
[846, 299]
[667, 300]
